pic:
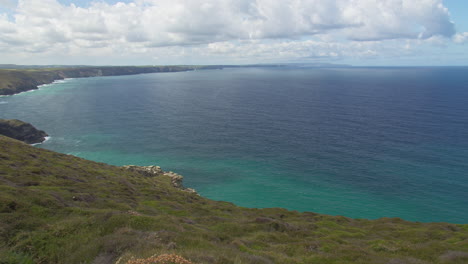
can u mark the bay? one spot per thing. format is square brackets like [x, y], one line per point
[359, 142]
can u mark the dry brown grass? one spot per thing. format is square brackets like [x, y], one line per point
[161, 259]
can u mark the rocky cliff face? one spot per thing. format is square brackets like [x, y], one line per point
[20, 130]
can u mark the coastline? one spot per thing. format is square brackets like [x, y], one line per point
[39, 143]
[38, 87]
[79, 205]
[15, 81]
[62, 102]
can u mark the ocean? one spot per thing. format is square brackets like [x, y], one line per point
[362, 142]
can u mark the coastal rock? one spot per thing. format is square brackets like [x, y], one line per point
[153, 171]
[20, 130]
[176, 179]
[148, 171]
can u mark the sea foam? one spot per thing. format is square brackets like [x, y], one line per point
[46, 139]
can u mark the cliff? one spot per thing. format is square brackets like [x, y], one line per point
[14, 81]
[21, 131]
[57, 208]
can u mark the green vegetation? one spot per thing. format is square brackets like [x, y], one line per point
[18, 80]
[57, 208]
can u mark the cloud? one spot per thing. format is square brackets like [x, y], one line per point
[222, 25]
[393, 19]
[307, 49]
[461, 38]
[7, 3]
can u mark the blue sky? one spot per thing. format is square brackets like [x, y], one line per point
[150, 32]
[459, 13]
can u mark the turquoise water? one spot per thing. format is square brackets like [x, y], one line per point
[359, 142]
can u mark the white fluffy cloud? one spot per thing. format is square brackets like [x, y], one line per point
[274, 28]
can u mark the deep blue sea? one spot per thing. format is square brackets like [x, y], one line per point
[358, 142]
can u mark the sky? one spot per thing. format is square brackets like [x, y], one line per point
[163, 32]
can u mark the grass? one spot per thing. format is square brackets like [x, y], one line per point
[57, 208]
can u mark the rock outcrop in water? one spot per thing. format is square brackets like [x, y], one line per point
[20, 130]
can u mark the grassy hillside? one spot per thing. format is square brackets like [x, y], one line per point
[14, 81]
[56, 208]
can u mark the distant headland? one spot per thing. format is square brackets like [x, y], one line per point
[21, 78]
[16, 79]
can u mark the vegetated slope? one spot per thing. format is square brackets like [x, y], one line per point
[57, 208]
[14, 81]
